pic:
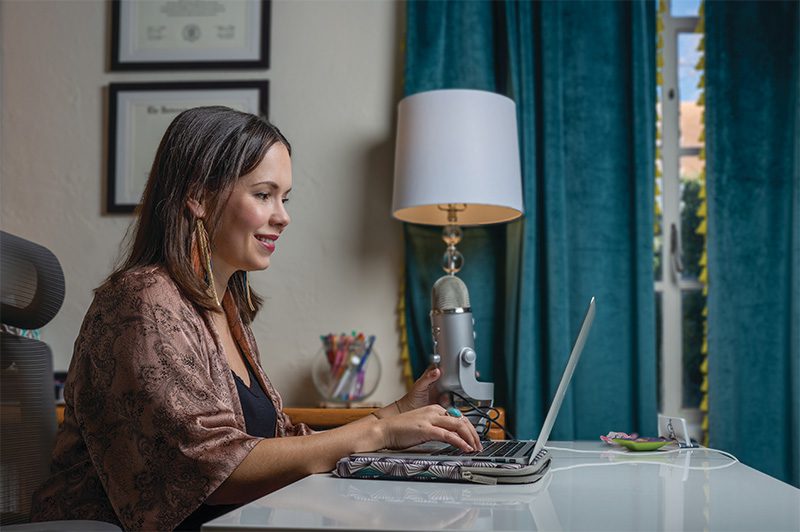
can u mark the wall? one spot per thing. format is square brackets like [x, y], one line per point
[334, 83]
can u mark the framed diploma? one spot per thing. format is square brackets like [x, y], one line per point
[138, 116]
[189, 34]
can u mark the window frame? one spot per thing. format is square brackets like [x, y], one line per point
[672, 285]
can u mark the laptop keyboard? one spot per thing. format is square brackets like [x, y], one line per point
[493, 449]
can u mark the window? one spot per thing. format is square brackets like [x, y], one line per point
[679, 261]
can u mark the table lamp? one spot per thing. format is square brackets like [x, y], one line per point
[456, 164]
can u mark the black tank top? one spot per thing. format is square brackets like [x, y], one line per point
[260, 419]
[260, 416]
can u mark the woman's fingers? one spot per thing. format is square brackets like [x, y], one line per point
[423, 392]
[473, 434]
[464, 427]
[454, 439]
[460, 426]
[465, 430]
[432, 375]
[433, 423]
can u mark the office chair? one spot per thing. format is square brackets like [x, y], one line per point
[31, 293]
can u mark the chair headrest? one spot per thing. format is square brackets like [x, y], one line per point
[31, 283]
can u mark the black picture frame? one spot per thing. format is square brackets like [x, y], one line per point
[119, 21]
[147, 109]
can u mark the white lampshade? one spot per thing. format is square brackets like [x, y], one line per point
[457, 147]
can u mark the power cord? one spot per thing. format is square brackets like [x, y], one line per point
[637, 462]
[640, 453]
[733, 459]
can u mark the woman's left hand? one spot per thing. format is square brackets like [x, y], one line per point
[423, 393]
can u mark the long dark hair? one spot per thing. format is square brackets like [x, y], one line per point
[203, 153]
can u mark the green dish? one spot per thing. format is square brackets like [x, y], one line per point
[646, 445]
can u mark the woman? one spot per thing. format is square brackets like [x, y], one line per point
[169, 418]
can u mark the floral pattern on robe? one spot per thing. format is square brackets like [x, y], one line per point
[153, 423]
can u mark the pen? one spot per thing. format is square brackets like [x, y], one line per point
[361, 364]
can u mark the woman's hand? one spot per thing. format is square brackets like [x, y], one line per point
[423, 393]
[429, 423]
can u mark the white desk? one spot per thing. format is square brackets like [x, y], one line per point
[644, 492]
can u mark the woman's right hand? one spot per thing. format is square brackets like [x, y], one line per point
[429, 423]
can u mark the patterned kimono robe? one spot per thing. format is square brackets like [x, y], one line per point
[153, 423]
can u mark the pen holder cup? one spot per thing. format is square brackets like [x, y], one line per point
[345, 382]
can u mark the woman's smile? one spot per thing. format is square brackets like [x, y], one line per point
[267, 241]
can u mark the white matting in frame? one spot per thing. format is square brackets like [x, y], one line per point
[139, 114]
[189, 34]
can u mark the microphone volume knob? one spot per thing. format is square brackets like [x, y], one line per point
[468, 356]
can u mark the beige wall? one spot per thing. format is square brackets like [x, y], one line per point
[334, 82]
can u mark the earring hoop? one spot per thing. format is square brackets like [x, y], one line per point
[204, 249]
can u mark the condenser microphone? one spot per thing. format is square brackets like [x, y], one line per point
[454, 341]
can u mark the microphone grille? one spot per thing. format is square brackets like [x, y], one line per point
[449, 292]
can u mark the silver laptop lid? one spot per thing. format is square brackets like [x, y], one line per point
[577, 348]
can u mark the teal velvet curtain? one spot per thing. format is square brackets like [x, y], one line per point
[753, 182]
[582, 75]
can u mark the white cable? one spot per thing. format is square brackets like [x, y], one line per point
[640, 453]
[609, 451]
[637, 462]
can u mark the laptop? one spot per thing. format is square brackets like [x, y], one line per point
[503, 451]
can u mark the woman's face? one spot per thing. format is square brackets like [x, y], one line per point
[254, 216]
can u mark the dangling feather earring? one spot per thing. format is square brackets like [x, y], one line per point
[204, 250]
[246, 283]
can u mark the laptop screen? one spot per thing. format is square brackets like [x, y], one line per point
[577, 348]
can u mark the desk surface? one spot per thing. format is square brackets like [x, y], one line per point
[686, 490]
